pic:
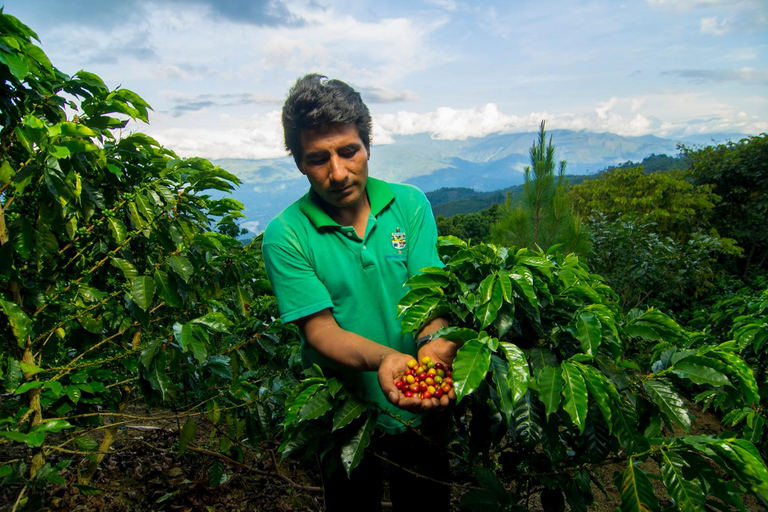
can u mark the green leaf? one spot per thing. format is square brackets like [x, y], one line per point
[588, 332]
[129, 271]
[215, 321]
[199, 343]
[166, 290]
[54, 426]
[352, 451]
[187, 434]
[575, 394]
[6, 172]
[518, 376]
[143, 291]
[74, 393]
[182, 267]
[736, 364]
[21, 325]
[470, 366]
[30, 369]
[427, 281]
[669, 403]
[118, 229]
[698, 373]
[294, 406]
[34, 384]
[490, 304]
[688, 494]
[414, 297]
[550, 383]
[636, 490]
[150, 351]
[499, 372]
[522, 280]
[600, 388]
[317, 405]
[419, 314]
[348, 412]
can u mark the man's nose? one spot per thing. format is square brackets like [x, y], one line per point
[337, 169]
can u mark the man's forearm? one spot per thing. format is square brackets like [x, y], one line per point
[344, 347]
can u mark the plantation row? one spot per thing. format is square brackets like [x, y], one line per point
[120, 284]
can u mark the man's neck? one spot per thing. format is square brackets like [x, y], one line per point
[355, 215]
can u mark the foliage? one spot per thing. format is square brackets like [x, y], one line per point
[471, 226]
[544, 217]
[114, 284]
[676, 207]
[743, 319]
[644, 267]
[651, 235]
[548, 389]
[738, 174]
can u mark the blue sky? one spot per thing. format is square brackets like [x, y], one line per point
[216, 72]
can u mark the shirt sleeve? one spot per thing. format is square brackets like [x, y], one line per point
[298, 290]
[422, 252]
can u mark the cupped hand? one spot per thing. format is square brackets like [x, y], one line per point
[441, 351]
[392, 369]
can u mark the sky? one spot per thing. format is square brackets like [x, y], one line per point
[216, 72]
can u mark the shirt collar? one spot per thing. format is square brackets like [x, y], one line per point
[379, 195]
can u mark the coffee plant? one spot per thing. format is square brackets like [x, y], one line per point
[115, 284]
[553, 382]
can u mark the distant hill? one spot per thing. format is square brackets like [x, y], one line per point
[490, 164]
[452, 201]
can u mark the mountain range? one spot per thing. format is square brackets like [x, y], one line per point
[489, 163]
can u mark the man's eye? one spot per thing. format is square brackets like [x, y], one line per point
[348, 153]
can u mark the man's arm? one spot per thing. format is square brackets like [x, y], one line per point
[362, 354]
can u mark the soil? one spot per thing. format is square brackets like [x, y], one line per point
[145, 473]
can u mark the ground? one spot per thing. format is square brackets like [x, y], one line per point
[145, 473]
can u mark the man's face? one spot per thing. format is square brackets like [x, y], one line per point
[335, 161]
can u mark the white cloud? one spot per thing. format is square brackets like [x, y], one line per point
[663, 114]
[252, 226]
[258, 137]
[715, 26]
[687, 5]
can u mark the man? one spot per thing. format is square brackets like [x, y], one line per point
[338, 258]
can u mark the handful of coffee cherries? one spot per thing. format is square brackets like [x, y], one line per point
[425, 380]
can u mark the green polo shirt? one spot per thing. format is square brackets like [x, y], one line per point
[314, 263]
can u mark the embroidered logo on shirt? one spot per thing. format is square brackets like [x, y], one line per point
[398, 241]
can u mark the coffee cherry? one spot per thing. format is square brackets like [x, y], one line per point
[426, 380]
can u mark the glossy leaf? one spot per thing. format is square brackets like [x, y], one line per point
[518, 375]
[688, 494]
[316, 406]
[118, 229]
[182, 267]
[187, 435]
[550, 383]
[588, 332]
[21, 325]
[698, 373]
[352, 450]
[166, 290]
[348, 412]
[636, 491]
[668, 402]
[574, 394]
[470, 366]
[143, 291]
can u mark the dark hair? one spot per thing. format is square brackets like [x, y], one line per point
[315, 100]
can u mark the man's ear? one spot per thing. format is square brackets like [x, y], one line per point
[368, 150]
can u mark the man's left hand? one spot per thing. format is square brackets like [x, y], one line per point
[440, 351]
